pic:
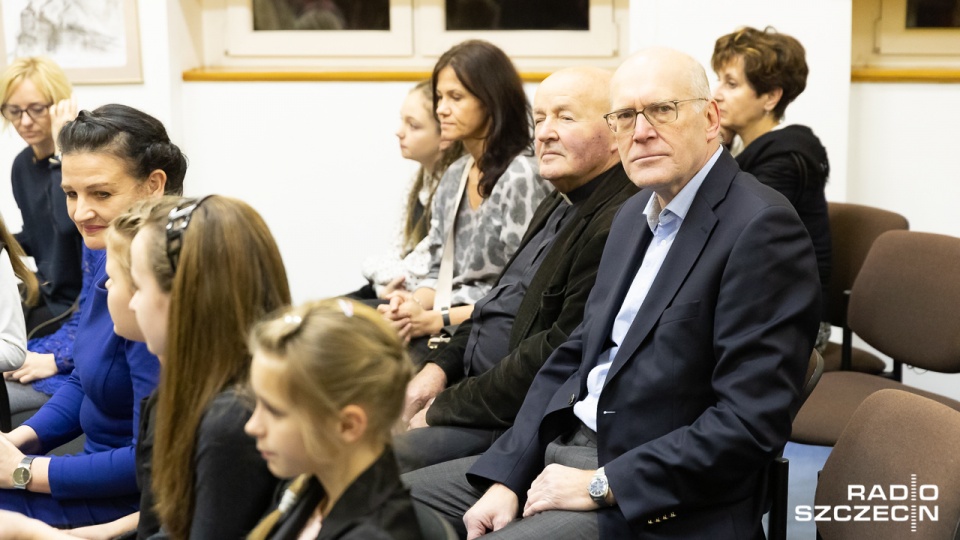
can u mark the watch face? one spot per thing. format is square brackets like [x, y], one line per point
[598, 487]
[21, 476]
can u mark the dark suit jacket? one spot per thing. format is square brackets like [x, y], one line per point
[552, 307]
[376, 506]
[700, 395]
[794, 162]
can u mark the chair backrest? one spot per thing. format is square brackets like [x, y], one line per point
[894, 442]
[906, 299]
[814, 372]
[853, 228]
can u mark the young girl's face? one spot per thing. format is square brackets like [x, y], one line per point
[418, 133]
[275, 423]
[120, 290]
[149, 302]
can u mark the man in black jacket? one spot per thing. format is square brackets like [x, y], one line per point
[471, 389]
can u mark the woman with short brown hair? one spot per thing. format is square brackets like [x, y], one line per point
[759, 73]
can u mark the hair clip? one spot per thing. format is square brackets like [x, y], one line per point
[294, 320]
[177, 221]
[346, 306]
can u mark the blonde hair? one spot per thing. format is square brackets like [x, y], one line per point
[336, 352]
[125, 226]
[44, 73]
[229, 275]
[15, 251]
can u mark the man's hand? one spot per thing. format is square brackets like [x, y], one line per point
[35, 367]
[419, 420]
[492, 512]
[422, 388]
[559, 488]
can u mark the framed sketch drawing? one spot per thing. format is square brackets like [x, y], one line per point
[95, 41]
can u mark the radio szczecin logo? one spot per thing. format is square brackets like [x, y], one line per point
[912, 504]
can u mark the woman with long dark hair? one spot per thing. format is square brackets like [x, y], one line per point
[486, 199]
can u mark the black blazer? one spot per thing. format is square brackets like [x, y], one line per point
[376, 506]
[794, 162]
[700, 395]
[551, 308]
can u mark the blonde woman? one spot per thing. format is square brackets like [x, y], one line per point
[329, 379]
[36, 100]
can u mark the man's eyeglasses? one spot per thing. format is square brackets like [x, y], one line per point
[658, 114]
[177, 221]
[14, 114]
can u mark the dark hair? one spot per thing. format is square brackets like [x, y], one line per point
[487, 73]
[770, 60]
[133, 136]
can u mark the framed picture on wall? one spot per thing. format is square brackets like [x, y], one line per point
[95, 41]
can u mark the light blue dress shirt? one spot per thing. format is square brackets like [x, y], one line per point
[664, 223]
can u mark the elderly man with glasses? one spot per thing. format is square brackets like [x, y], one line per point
[658, 417]
[476, 383]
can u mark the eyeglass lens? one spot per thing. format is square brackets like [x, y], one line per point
[15, 114]
[655, 113]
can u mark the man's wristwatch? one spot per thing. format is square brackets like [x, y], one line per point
[599, 488]
[21, 475]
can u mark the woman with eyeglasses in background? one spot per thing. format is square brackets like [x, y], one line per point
[759, 74]
[478, 97]
[113, 157]
[36, 100]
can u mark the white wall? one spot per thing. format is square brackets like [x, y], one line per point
[822, 26]
[156, 95]
[320, 162]
[902, 158]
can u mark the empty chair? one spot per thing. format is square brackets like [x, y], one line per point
[853, 228]
[894, 442]
[906, 304]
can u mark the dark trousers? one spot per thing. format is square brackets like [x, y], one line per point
[444, 488]
[419, 448]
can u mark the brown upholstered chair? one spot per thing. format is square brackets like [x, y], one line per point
[906, 304]
[853, 228]
[892, 436]
[779, 473]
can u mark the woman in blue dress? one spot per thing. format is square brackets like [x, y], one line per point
[112, 158]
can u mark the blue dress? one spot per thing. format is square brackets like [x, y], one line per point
[101, 399]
